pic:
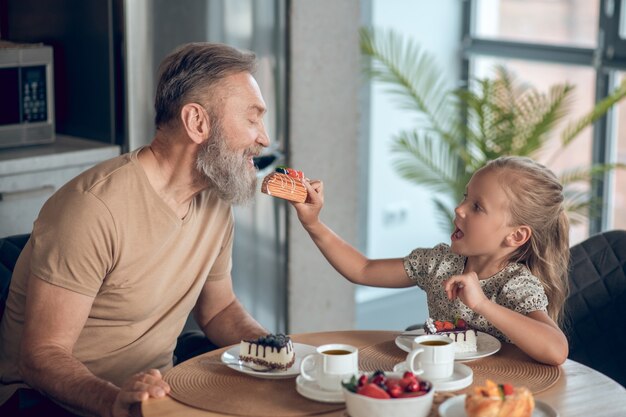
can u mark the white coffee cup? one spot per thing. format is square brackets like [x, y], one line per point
[434, 354]
[331, 364]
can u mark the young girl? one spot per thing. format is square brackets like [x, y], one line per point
[505, 271]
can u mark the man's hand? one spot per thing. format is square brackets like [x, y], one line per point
[138, 388]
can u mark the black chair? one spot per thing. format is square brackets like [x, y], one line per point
[189, 344]
[10, 249]
[596, 307]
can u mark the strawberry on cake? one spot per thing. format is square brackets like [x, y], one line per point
[273, 351]
[458, 330]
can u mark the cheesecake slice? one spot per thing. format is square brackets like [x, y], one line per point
[272, 351]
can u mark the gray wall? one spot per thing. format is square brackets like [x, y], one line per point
[324, 141]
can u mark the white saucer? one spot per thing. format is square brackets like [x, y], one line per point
[486, 345]
[455, 407]
[461, 377]
[231, 358]
[312, 391]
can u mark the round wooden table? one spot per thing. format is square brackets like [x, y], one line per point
[579, 392]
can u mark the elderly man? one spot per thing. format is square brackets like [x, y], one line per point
[120, 255]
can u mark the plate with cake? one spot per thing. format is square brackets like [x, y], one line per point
[496, 400]
[470, 344]
[272, 356]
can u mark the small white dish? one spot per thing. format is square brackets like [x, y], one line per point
[231, 359]
[312, 391]
[486, 345]
[455, 407]
[462, 377]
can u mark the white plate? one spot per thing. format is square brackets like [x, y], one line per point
[231, 358]
[455, 407]
[312, 391]
[486, 345]
[461, 377]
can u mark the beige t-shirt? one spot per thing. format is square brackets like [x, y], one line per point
[514, 287]
[108, 235]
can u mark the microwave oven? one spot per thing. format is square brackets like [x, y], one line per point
[26, 94]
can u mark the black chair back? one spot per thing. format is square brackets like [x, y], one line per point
[596, 307]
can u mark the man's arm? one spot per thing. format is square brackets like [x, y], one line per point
[54, 319]
[222, 317]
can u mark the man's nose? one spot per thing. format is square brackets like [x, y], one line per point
[263, 138]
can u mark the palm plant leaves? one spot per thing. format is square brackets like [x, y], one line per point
[422, 160]
[410, 74]
[599, 110]
[586, 174]
[460, 130]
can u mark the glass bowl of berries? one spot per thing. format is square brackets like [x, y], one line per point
[388, 394]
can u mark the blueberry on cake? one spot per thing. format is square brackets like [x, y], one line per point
[458, 330]
[273, 351]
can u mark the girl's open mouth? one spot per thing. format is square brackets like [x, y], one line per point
[457, 234]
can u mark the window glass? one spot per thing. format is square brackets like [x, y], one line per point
[542, 76]
[563, 22]
[617, 218]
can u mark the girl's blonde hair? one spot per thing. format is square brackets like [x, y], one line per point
[536, 200]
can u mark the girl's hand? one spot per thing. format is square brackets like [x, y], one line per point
[309, 211]
[467, 288]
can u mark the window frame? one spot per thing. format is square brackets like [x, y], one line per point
[605, 59]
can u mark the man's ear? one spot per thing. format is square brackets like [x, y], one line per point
[519, 236]
[195, 120]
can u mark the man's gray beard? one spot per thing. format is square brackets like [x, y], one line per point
[226, 172]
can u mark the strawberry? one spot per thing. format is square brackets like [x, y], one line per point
[507, 389]
[363, 380]
[408, 374]
[439, 325]
[412, 386]
[295, 173]
[395, 391]
[447, 325]
[373, 391]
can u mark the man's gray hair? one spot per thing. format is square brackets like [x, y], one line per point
[190, 72]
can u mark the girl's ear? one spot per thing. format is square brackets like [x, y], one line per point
[519, 236]
[195, 121]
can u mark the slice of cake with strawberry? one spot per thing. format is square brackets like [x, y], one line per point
[457, 330]
[286, 183]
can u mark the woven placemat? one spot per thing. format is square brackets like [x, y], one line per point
[509, 365]
[208, 384]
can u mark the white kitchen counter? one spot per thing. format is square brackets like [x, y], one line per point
[30, 175]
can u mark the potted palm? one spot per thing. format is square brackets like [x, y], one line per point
[459, 130]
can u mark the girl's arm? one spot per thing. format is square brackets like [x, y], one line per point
[535, 333]
[348, 261]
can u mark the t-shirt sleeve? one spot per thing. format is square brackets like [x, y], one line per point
[223, 264]
[524, 294]
[73, 240]
[422, 262]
